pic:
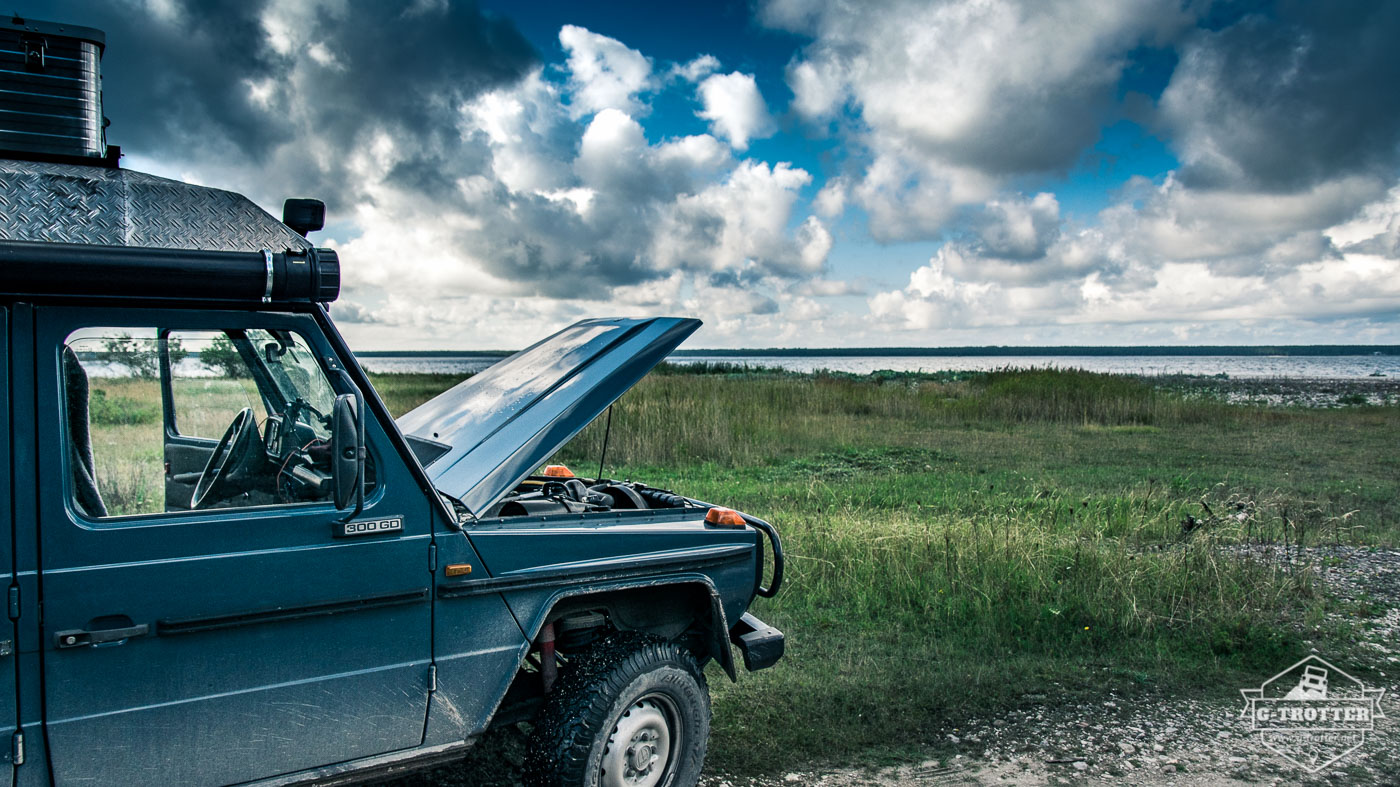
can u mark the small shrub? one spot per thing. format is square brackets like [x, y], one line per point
[140, 355]
[130, 488]
[104, 410]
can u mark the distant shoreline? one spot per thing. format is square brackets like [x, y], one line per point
[1312, 350]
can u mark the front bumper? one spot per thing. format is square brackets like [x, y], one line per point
[761, 644]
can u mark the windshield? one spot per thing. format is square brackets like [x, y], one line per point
[293, 369]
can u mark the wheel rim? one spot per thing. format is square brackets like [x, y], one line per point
[641, 750]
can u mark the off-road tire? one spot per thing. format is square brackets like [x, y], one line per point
[566, 748]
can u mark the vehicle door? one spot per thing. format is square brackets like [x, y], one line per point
[9, 711]
[239, 636]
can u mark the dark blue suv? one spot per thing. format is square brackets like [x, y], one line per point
[227, 563]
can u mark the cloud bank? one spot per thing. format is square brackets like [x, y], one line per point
[483, 190]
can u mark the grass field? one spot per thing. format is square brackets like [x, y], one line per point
[961, 544]
[128, 436]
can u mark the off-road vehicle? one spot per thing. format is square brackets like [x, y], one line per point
[227, 563]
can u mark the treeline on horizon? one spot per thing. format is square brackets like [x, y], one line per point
[999, 350]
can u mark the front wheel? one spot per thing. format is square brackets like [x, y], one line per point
[632, 711]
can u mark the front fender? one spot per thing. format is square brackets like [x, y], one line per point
[718, 621]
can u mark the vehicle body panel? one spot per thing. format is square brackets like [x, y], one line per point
[527, 565]
[494, 428]
[9, 706]
[477, 647]
[531, 560]
[24, 448]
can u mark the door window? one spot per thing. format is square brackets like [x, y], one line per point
[174, 420]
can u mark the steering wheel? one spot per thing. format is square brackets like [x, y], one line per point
[230, 456]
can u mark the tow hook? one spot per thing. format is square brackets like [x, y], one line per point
[761, 644]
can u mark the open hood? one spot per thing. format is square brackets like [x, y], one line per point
[479, 439]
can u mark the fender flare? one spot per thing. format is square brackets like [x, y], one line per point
[719, 623]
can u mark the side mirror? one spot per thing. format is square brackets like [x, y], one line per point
[348, 452]
[304, 215]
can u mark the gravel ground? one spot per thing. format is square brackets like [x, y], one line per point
[1167, 741]
[1160, 741]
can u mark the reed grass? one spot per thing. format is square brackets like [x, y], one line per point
[963, 543]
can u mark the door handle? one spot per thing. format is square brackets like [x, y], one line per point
[76, 638]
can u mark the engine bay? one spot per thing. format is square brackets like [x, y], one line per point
[543, 495]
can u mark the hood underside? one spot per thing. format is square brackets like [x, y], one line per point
[480, 438]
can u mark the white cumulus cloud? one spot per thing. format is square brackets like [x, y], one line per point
[697, 69]
[955, 96]
[604, 73]
[735, 108]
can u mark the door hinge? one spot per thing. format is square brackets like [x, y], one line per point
[14, 602]
[432, 677]
[432, 558]
[17, 748]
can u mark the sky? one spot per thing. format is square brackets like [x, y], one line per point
[798, 173]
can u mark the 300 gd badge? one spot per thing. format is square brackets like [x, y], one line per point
[369, 527]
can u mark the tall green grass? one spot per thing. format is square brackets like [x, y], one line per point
[128, 432]
[402, 392]
[960, 544]
[1078, 397]
[1007, 440]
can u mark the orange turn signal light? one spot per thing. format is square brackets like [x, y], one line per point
[557, 471]
[458, 569]
[724, 517]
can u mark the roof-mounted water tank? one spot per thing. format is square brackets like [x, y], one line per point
[51, 92]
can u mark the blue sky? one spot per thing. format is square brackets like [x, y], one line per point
[730, 33]
[800, 172]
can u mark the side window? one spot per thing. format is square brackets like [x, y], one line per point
[112, 394]
[176, 420]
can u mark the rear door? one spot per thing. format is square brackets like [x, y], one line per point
[221, 645]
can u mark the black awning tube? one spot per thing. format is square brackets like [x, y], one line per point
[29, 268]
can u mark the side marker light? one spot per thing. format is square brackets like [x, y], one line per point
[724, 517]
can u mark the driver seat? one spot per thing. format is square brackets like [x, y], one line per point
[85, 493]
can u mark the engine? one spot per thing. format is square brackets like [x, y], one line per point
[552, 494]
